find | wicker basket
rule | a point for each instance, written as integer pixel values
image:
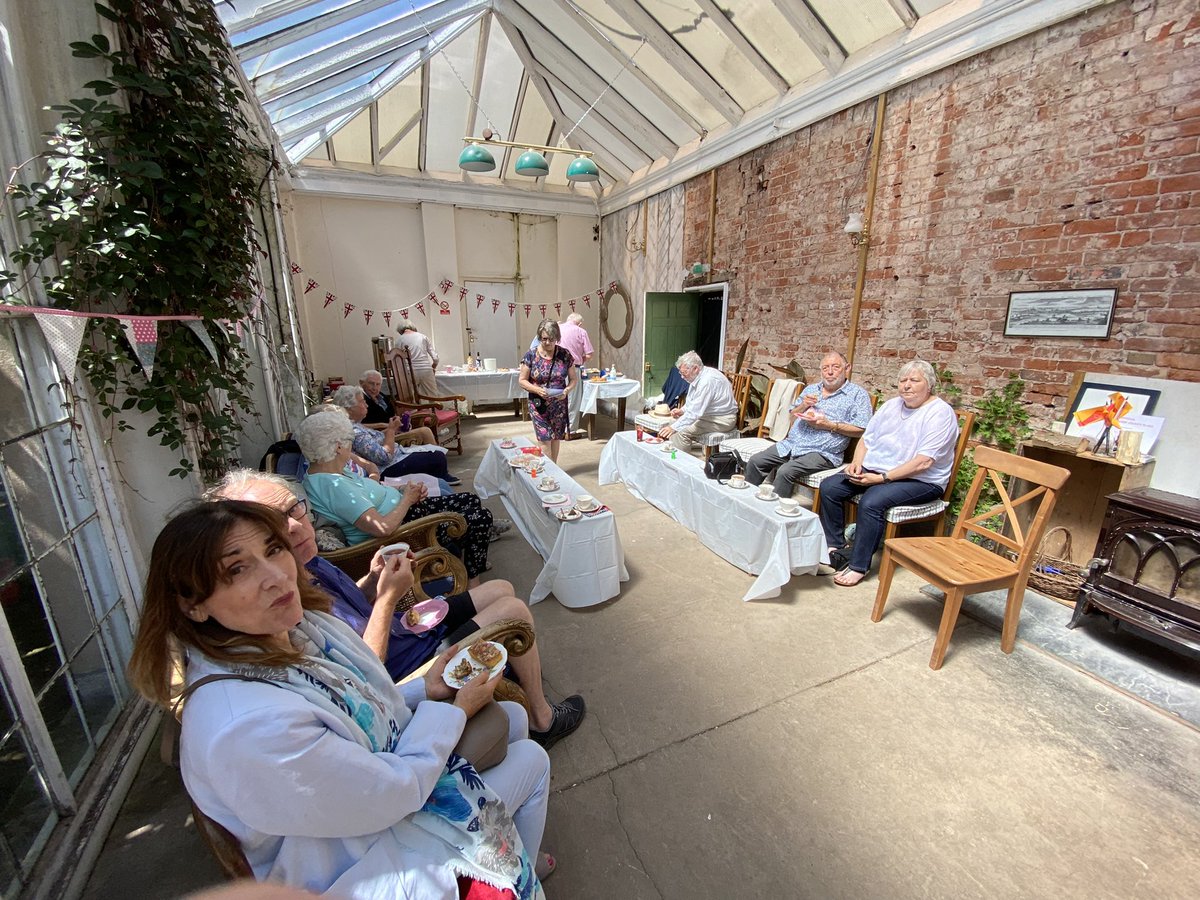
(1056, 575)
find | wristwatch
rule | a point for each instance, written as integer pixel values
(885, 478)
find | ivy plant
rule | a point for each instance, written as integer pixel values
(143, 205)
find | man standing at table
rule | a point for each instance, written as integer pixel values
(827, 415)
(709, 406)
(574, 338)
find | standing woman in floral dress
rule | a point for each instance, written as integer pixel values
(548, 373)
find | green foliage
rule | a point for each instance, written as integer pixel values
(145, 207)
(947, 389)
(1001, 418)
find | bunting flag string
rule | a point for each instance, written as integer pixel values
(445, 285)
(64, 334)
(205, 338)
(349, 307)
(142, 334)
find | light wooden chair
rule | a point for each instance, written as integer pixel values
(958, 566)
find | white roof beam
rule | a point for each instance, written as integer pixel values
(424, 136)
(569, 67)
(904, 11)
(815, 35)
(635, 149)
(661, 40)
(268, 12)
(485, 30)
(635, 71)
(743, 46)
(400, 135)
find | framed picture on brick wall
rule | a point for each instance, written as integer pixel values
(1071, 314)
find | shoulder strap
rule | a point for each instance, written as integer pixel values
(168, 743)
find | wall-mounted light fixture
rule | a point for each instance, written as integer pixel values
(476, 157)
(856, 229)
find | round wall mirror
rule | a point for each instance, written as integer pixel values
(616, 316)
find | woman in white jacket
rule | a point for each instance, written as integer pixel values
(331, 777)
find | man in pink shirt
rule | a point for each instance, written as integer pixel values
(575, 340)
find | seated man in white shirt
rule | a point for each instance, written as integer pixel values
(710, 405)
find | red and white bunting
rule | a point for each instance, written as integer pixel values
(557, 310)
(542, 309)
(367, 313)
(571, 303)
(387, 318)
(445, 284)
(350, 307)
(612, 285)
(528, 309)
(296, 270)
(495, 305)
(587, 300)
(462, 294)
(420, 309)
(311, 286)
(479, 298)
(329, 298)
(512, 307)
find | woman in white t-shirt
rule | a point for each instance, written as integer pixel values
(905, 458)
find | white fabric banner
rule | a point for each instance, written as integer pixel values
(203, 336)
(64, 334)
(142, 334)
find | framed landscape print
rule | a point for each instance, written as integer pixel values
(1078, 314)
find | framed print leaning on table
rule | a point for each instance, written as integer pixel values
(1080, 314)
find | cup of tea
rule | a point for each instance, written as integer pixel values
(765, 490)
(394, 550)
(788, 505)
(585, 501)
(737, 481)
(547, 481)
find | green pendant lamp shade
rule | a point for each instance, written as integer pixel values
(582, 169)
(532, 164)
(475, 158)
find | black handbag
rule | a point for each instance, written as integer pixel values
(723, 464)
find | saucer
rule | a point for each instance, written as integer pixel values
(586, 509)
(770, 496)
(507, 445)
(738, 487)
(567, 515)
(553, 486)
(666, 447)
(652, 440)
(555, 499)
(789, 515)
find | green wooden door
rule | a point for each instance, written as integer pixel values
(672, 326)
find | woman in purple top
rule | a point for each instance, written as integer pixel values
(548, 372)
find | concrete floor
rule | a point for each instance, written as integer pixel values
(793, 748)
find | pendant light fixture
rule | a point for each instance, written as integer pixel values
(476, 157)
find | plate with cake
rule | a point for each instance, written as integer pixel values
(425, 615)
(481, 656)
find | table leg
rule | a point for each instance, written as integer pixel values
(621, 414)
(516, 408)
(591, 420)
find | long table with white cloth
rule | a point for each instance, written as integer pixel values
(734, 524)
(481, 386)
(585, 563)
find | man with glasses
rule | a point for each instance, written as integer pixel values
(709, 407)
(374, 615)
(827, 414)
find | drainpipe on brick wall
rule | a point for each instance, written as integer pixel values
(865, 243)
(712, 214)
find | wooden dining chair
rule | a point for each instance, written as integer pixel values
(960, 566)
(407, 398)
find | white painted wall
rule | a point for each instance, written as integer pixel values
(383, 254)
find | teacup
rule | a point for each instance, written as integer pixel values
(765, 490)
(585, 501)
(548, 482)
(788, 505)
(398, 549)
(737, 481)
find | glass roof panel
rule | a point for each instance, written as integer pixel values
(925, 7)
(534, 126)
(766, 28)
(306, 13)
(623, 36)
(448, 101)
(404, 156)
(707, 44)
(298, 101)
(397, 106)
(857, 24)
(321, 154)
(594, 134)
(502, 71)
(353, 142)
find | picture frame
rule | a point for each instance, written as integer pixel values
(1069, 314)
(1094, 393)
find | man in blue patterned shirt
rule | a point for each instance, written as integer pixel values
(827, 415)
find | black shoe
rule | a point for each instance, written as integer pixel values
(568, 716)
(838, 559)
(452, 480)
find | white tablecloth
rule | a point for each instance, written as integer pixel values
(585, 563)
(734, 524)
(480, 386)
(609, 390)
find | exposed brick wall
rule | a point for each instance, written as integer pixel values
(1066, 159)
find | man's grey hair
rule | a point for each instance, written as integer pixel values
(404, 326)
(838, 353)
(924, 368)
(320, 435)
(575, 319)
(237, 481)
(347, 396)
(370, 373)
(691, 359)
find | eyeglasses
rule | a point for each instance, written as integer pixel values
(297, 511)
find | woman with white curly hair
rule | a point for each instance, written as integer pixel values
(380, 447)
(365, 509)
